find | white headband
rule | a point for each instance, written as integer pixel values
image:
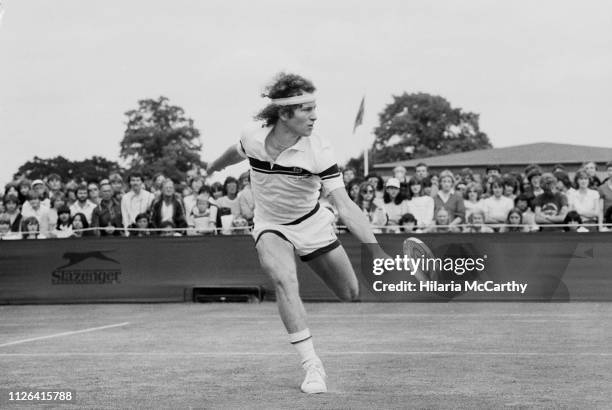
(298, 99)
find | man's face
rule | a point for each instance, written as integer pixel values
(492, 172)
(168, 189)
(55, 184)
(302, 122)
(590, 169)
(106, 192)
(421, 172)
(81, 195)
(446, 184)
(135, 183)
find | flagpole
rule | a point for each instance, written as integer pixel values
(365, 155)
(358, 122)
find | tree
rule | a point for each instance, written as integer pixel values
(422, 125)
(160, 138)
(89, 170)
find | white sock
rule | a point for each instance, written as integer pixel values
(302, 341)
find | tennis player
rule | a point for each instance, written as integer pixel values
(289, 165)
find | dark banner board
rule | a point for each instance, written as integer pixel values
(545, 266)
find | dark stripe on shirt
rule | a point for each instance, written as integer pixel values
(303, 218)
(329, 171)
(269, 168)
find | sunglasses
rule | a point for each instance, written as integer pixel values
(367, 191)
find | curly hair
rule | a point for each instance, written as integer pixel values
(282, 86)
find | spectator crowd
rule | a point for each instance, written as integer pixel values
(420, 201)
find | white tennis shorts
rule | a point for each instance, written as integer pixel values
(311, 235)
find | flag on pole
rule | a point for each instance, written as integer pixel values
(359, 118)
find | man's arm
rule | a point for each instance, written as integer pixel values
(230, 157)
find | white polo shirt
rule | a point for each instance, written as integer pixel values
(287, 189)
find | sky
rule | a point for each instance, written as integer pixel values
(535, 71)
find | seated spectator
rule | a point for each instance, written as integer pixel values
(56, 201)
(12, 188)
(492, 171)
(33, 207)
(83, 205)
(107, 215)
(434, 180)
(394, 203)
(203, 217)
(442, 223)
(535, 177)
(348, 174)
(156, 185)
(11, 209)
(189, 201)
(497, 206)
(379, 185)
(366, 202)
(80, 226)
(564, 185)
(39, 186)
(230, 199)
(167, 228)
(511, 186)
(573, 222)
(591, 170)
(472, 199)
(514, 222)
(70, 195)
(24, 186)
(54, 185)
(522, 203)
(141, 226)
(30, 228)
(135, 202)
(605, 194)
(5, 228)
(400, 173)
(63, 226)
(467, 176)
(550, 207)
(352, 188)
(245, 198)
(476, 223)
(217, 191)
(116, 182)
(409, 224)
(94, 193)
(449, 200)
(585, 201)
(419, 204)
(168, 208)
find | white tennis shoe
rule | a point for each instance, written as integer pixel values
(315, 377)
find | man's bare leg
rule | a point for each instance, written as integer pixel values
(278, 261)
(335, 268)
